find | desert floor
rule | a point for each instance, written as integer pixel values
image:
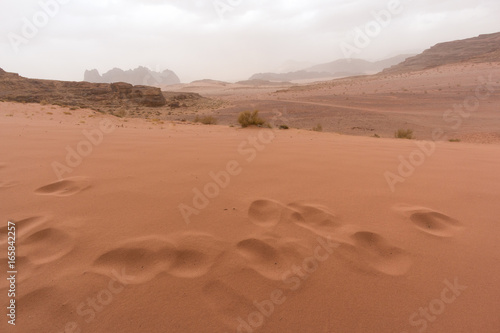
(461, 100)
(170, 227)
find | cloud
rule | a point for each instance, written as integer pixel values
(198, 40)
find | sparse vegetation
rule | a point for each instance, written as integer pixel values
(44, 102)
(67, 113)
(318, 128)
(206, 120)
(73, 108)
(283, 127)
(454, 140)
(120, 113)
(376, 136)
(249, 118)
(404, 134)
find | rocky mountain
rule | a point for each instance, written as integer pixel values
(484, 48)
(79, 94)
(337, 68)
(138, 76)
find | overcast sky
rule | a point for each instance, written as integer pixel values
(222, 39)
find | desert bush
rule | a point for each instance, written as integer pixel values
(206, 120)
(376, 136)
(318, 128)
(284, 127)
(249, 118)
(455, 140)
(120, 113)
(44, 102)
(404, 134)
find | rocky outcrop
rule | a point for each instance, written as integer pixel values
(485, 48)
(17, 88)
(142, 95)
(138, 76)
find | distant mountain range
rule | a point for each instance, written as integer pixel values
(484, 48)
(337, 68)
(139, 76)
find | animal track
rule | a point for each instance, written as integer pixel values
(23, 227)
(314, 217)
(270, 255)
(47, 245)
(271, 258)
(65, 187)
(370, 251)
(435, 223)
(265, 213)
(431, 222)
(185, 256)
(40, 243)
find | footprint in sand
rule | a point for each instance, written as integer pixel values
(271, 257)
(47, 245)
(315, 218)
(271, 254)
(23, 227)
(186, 256)
(65, 187)
(143, 258)
(40, 244)
(369, 251)
(265, 213)
(431, 222)
(435, 223)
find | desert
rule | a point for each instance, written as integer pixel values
(356, 202)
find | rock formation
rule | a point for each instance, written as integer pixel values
(138, 76)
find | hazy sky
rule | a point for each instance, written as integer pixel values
(222, 39)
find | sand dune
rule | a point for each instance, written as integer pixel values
(190, 228)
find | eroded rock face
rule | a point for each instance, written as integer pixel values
(138, 76)
(121, 88)
(141, 95)
(484, 48)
